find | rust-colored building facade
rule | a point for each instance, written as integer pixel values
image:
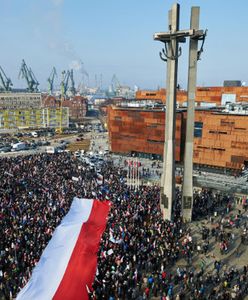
(212, 95)
(77, 106)
(140, 130)
(158, 95)
(221, 139)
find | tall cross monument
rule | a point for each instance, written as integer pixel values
(194, 56)
(170, 54)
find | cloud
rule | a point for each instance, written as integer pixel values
(63, 47)
(57, 2)
(78, 65)
(75, 65)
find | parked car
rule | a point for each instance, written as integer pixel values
(32, 146)
(19, 134)
(79, 139)
(46, 143)
(5, 149)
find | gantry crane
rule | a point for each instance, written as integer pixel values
(51, 80)
(29, 76)
(6, 82)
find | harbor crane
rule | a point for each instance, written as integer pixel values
(51, 80)
(36, 83)
(6, 82)
(72, 88)
(29, 77)
(64, 83)
(67, 77)
(64, 88)
(115, 84)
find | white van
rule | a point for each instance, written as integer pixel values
(50, 150)
(34, 134)
(19, 146)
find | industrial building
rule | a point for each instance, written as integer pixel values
(220, 134)
(34, 118)
(20, 100)
(34, 110)
(77, 106)
(25, 110)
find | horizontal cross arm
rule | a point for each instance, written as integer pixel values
(180, 35)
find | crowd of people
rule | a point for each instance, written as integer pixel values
(138, 251)
(35, 192)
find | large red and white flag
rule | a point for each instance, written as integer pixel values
(68, 264)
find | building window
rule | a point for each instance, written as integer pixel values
(219, 149)
(227, 123)
(198, 129)
(217, 132)
(154, 141)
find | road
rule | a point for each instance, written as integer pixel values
(222, 182)
(151, 169)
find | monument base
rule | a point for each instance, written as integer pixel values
(187, 208)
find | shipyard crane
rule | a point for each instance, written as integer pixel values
(6, 82)
(72, 88)
(64, 88)
(36, 83)
(84, 74)
(115, 84)
(64, 83)
(51, 80)
(29, 77)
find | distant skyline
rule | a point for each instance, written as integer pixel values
(116, 37)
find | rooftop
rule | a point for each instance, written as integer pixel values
(229, 108)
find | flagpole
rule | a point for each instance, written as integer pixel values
(128, 173)
(138, 173)
(131, 175)
(134, 181)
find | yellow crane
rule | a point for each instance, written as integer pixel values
(59, 115)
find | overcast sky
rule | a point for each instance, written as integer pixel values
(116, 37)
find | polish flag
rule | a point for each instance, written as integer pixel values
(68, 264)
